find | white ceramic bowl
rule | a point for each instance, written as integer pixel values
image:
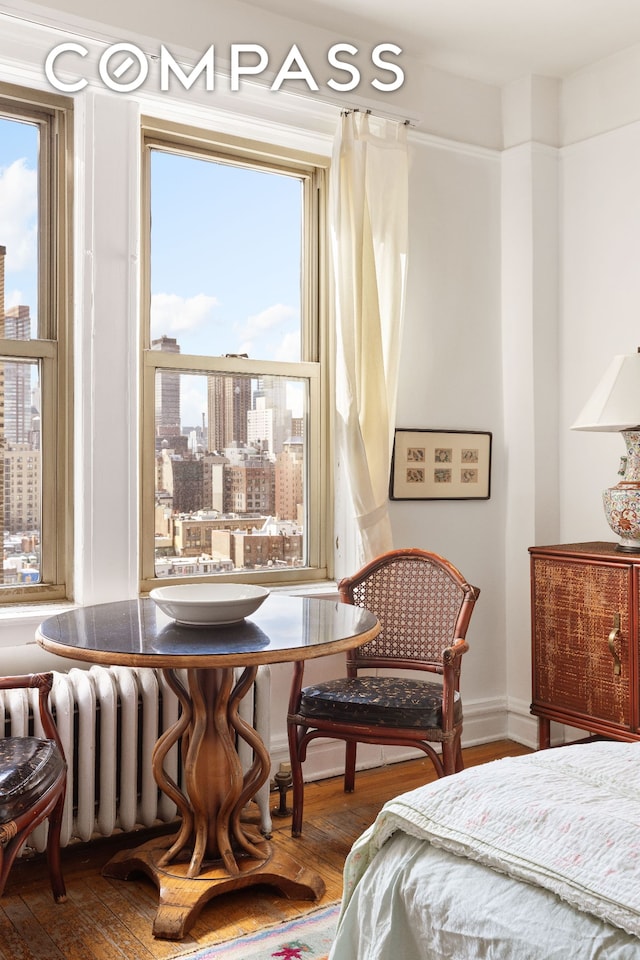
(209, 604)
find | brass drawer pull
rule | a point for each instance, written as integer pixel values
(613, 636)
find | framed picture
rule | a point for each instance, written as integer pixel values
(441, 465)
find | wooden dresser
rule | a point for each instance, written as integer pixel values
(585, 612)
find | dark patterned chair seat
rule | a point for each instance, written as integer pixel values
(29, 766)
(33, 781)
(380, 701)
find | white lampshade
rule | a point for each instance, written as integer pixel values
(615, 403)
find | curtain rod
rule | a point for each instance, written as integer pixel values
(382, 116)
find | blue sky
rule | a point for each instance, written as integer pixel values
(225, 258)
(226, 249)
(18, 211)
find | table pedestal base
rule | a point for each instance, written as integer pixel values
(182, 898)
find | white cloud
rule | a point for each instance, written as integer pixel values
(289, 349)
(18, 215)
(279, 320)
(278, 315)
(14, 298)
(173, 314)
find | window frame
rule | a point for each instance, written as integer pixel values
(52, 348)
(312, 169)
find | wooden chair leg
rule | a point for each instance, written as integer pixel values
(449, 757)
(5, 866)
(297, 782)
(53, 852)
(8, 854)
(350, 766)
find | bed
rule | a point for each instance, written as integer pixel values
(526, 858)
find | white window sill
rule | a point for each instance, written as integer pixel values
(24, 612)
(323, 588)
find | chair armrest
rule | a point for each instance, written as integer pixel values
(43, 682)
(455, 651)
(30, 680)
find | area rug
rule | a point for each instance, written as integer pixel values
(306, 938)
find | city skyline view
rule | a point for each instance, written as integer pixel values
(229, 284)
(19, 213)
(225, 264)
(226, 241)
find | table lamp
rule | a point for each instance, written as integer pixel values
(615, 406)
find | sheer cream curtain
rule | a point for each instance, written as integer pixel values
(369, 233)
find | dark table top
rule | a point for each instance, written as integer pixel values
(137, 633)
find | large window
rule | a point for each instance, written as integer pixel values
(35, 198)
(234, 439)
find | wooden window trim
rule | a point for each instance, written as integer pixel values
(182, 139)
(53, 348)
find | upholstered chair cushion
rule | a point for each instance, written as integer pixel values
(28, 767)
(382, 701)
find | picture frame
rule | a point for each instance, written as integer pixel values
(441, 465)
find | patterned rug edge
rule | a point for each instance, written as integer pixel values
(317, 921)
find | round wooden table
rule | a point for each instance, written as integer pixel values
(215, 850)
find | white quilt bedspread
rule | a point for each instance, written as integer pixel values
(566, 820)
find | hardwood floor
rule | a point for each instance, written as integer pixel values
(105, 919)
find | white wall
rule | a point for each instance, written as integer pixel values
(452, 379)
(600, 297)
(601, 310)
(523, 282)
(530, 323)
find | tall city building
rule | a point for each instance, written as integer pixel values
(270, 422)
(20, 465)
(3, 253)
(249, 486)
(188, 485)
(274, 391)
(289, 488)
(228, 403)
(168, 422)
(17, 380)
(268, 427)
(192, 484)
(21, 478)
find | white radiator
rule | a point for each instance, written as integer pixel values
(109, 719)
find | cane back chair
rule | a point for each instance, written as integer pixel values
(424, 605)
(33, 779)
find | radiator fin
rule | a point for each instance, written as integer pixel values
(109, 719)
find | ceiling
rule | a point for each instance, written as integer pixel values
(495, 41)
